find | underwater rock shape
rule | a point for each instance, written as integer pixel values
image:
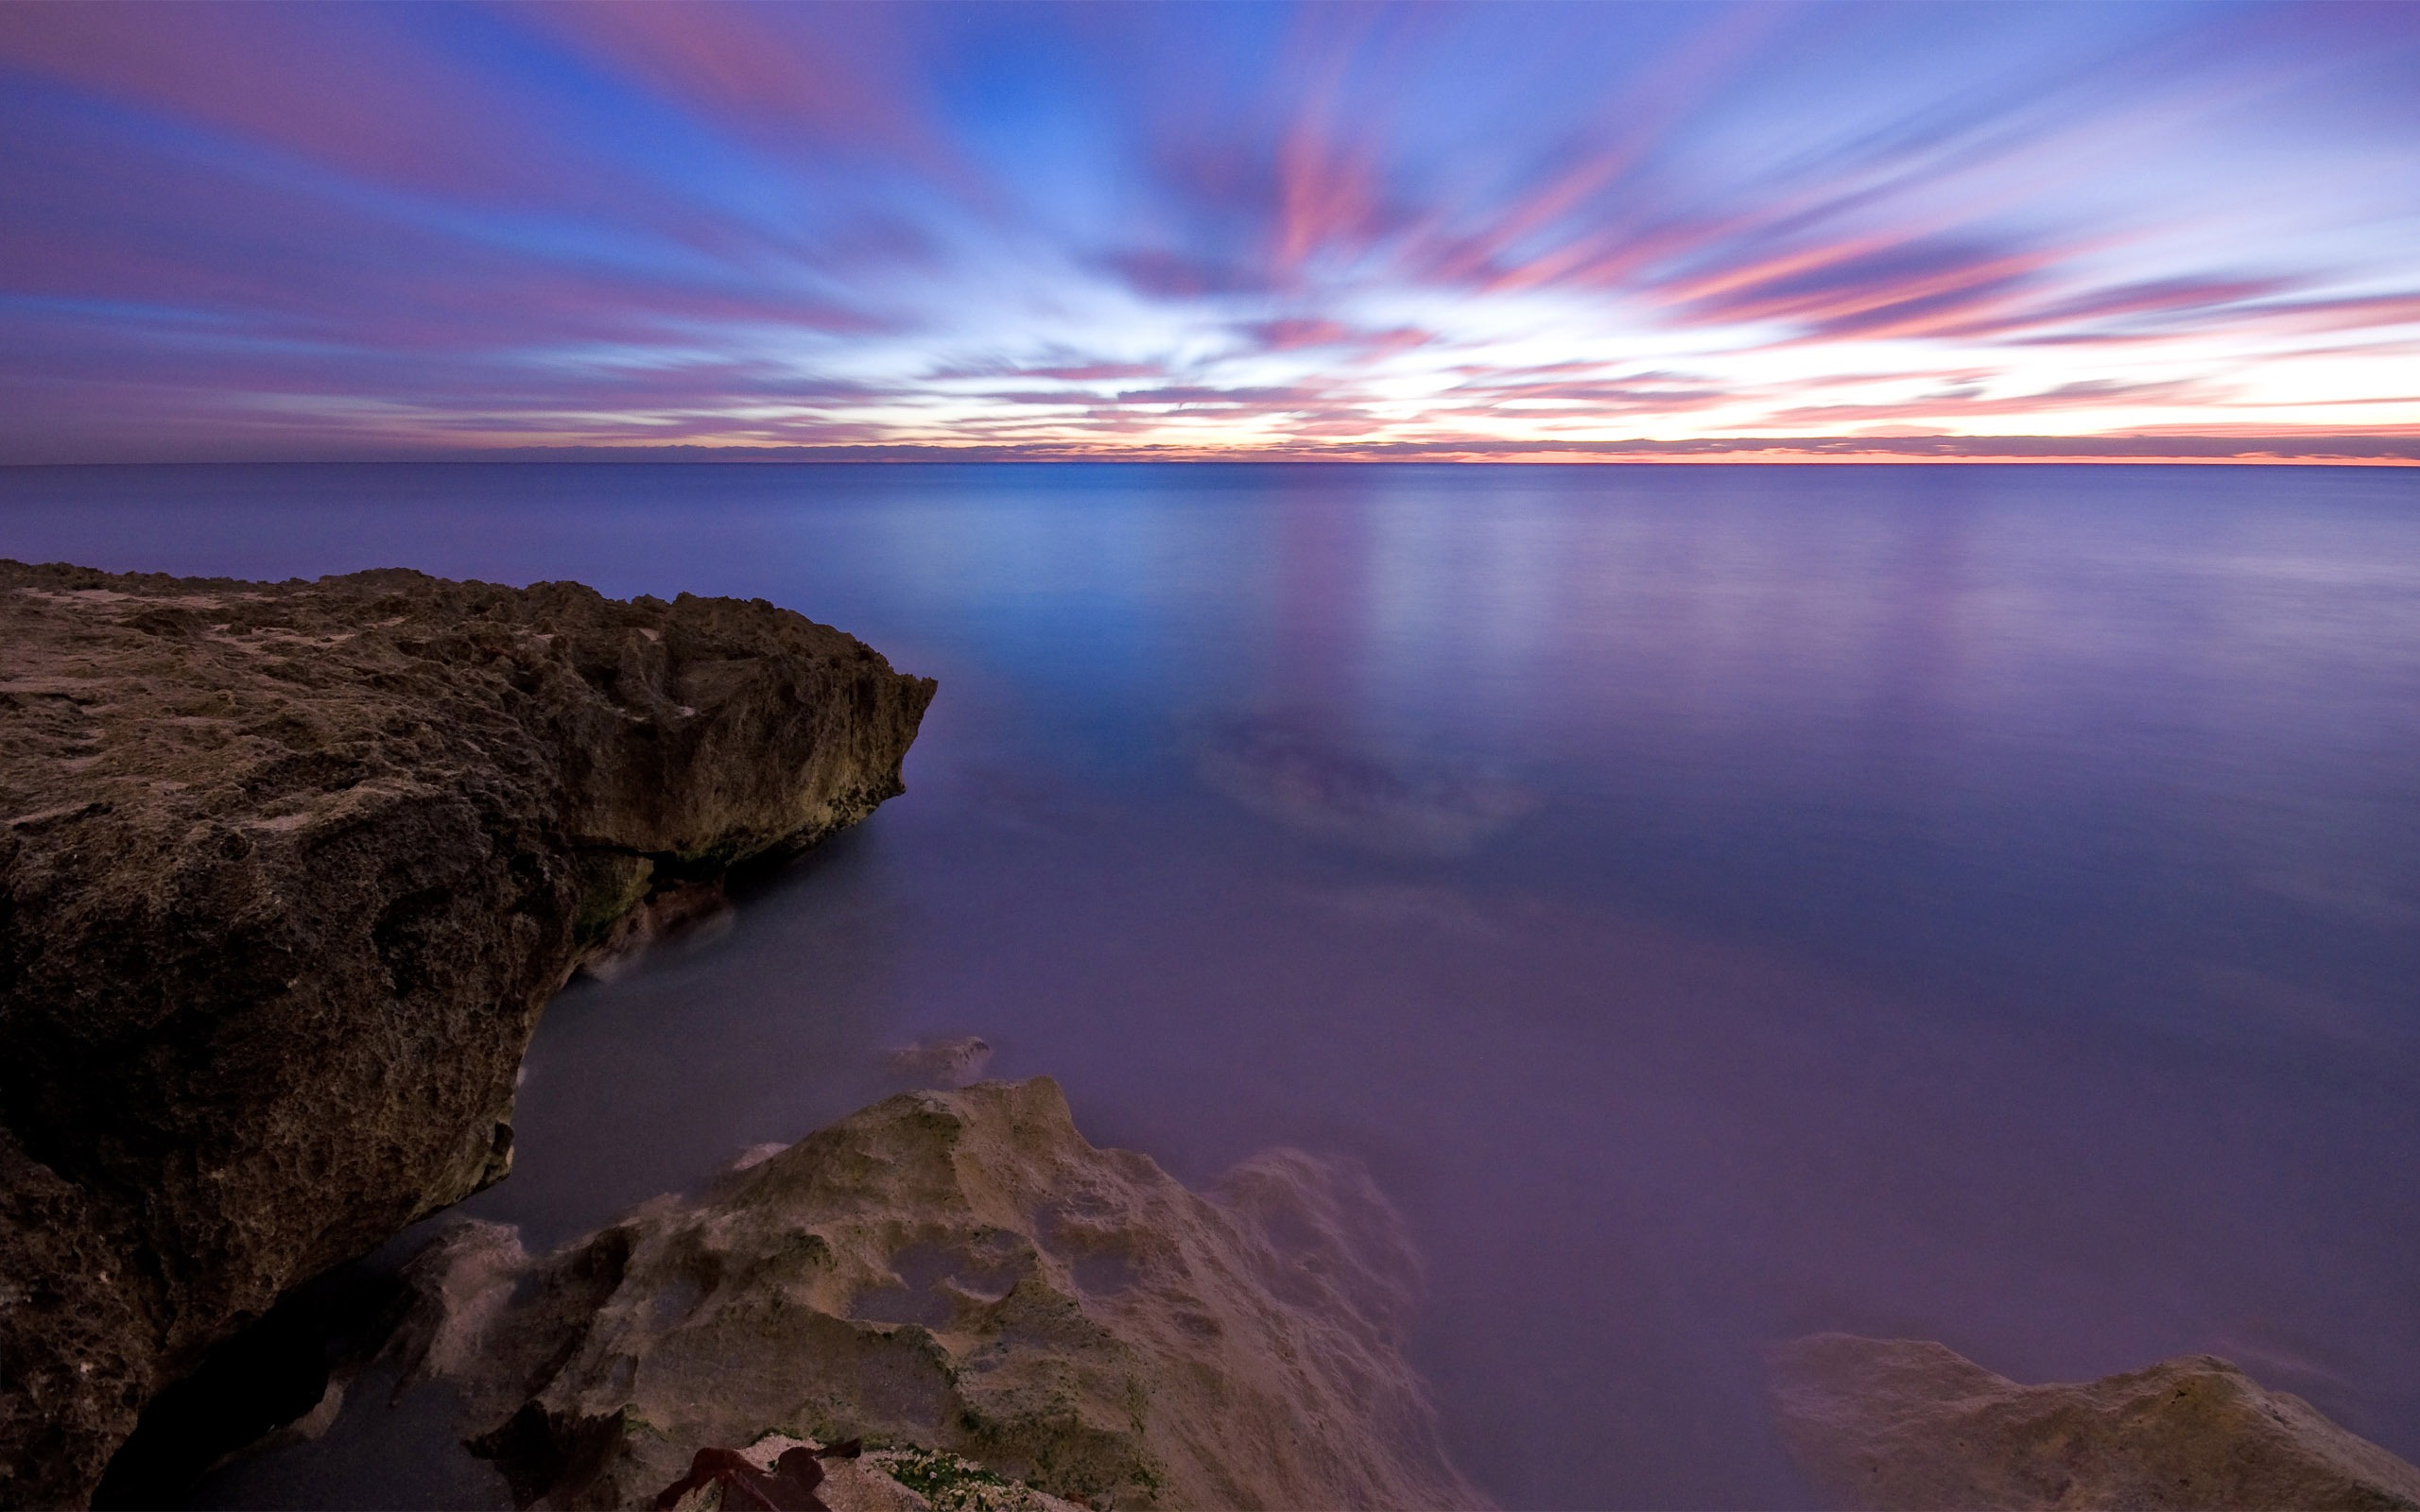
(943, 1062)
(1907, 1423)
(288, 871)
(959, 1273)
(1288, 771)
(787, 1485)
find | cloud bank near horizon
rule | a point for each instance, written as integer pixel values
(1499, 231)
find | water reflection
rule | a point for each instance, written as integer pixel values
(1718, 905)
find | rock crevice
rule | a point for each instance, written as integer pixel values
(286, 873)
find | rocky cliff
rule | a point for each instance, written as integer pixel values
(1892, 1423)
(959, 1278)
(286, 873)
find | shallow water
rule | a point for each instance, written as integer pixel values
(1978, 903)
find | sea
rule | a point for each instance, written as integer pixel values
(1717, 902)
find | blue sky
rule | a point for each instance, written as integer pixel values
(1252, 230)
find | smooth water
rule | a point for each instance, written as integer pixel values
(1969, 902)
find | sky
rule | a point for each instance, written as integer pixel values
(1496, 232)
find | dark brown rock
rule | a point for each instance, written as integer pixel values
(1892, 1423)
(286, 873)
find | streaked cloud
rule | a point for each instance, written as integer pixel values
(1499, 230)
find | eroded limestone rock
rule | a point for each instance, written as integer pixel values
(960, 1272)
(1894, 1423)
(286, 871)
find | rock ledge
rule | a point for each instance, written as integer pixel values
(286, 873)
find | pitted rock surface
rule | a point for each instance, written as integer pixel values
(959, 1273)
(286, 873)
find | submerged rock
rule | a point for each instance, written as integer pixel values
(1286, 770)
(959, 1274)
(286, 872)
(943, 1062)
(1892, 1423)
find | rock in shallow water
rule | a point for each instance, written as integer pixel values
(1893, 1423)
(943, 1062)
(963, 1272)
(286, 872)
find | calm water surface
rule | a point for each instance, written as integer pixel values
(1978, 903)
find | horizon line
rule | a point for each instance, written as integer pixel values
(2374, 449)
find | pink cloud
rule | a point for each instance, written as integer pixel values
(346, 85)
(2089, 394)
(1305, 333)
